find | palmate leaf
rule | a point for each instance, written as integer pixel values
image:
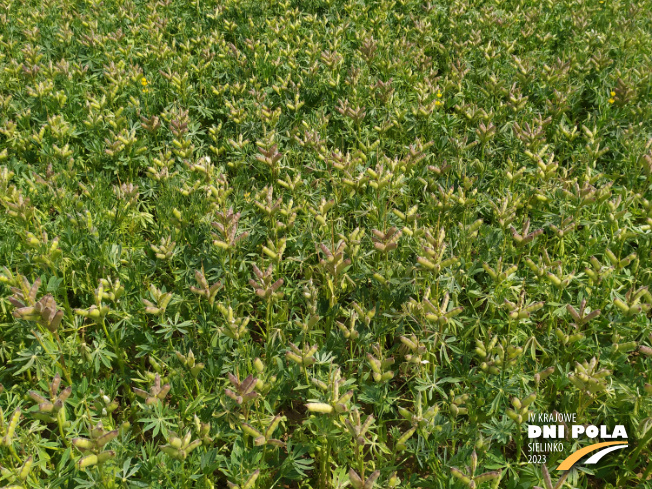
(31, 358)
(101, 355)
(158, 421)
(500, 430)
(298, 465)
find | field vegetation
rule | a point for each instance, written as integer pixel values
(322, 244)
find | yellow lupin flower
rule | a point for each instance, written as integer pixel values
(612, 93)
(439, 95)
(611, 101)
(143, 81)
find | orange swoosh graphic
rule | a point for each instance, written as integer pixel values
(574, 457)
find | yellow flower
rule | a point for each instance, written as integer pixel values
(439, 95)
(611, 101)
(437, 103)
(613, 94)
(143, 81)
(145, 90)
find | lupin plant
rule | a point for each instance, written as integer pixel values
(44, 311)
(18, 476)
(380, 366)
(51, 409)
(227, 226)
(8, 428)
(250, 483)
(521, 310)
(189, 362)
(157, 392)
(547, 480)
(520, 412)
(179, 448)
(335, 403)
(93, 448)
(165, 250)
(434, 250)
(244, 391)
(204, 289)
(360, 482)
(469, 477)
(98, 311)
(161, 298)
(471, 203)
(264, 437)
(588, 379)
(235, 327)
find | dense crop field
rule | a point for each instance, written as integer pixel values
(321, 244)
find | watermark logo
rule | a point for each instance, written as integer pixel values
(555, 431)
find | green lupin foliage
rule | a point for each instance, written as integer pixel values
(322, 244)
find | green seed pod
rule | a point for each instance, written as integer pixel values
(251, 480)
(191, 446)
(11, 428)
(487, 476)
(544, 374)
(621, 305)
(387, 376)
(625, 347)
(247, 428)
(554, 279)
(461, 476)
(400, 444)
(87, 461)
(46, 407)
(272, 427)
(511, 414)
(393, 481)
(645, 350)
(319, 407)
(194, 371)
(380, 278)
(529, 399)
(24, 470)
(575, 337)
(346, 397)
(106, 438)
(340, 408)
(405, 413)
(322, 385)
(104, 456)
(474, 462)
(175, 442)
(36, 397)
(171, 451)
(295, 358)
(83, 444)
(516, 403)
